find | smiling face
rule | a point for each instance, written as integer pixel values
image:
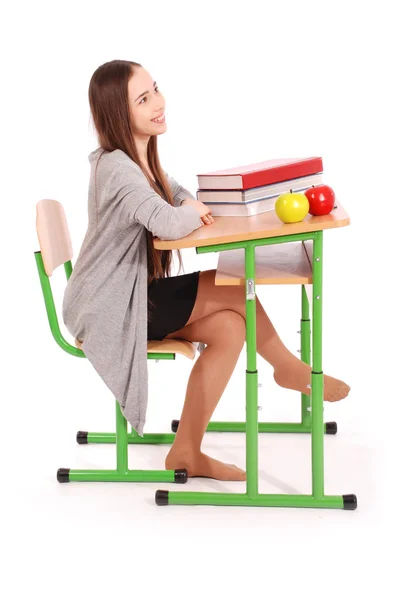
(146, 103)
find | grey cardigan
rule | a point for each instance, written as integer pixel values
(105, 300)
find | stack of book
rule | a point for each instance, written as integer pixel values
(253, 189)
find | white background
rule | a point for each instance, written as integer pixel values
(243, 82)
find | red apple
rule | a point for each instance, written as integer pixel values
(321, 199)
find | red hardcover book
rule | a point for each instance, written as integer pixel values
(262, 173)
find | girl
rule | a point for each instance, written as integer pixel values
(131, 199)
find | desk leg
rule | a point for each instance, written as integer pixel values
(252, 497)
(251, 429)
(305, 355)
(317, 372)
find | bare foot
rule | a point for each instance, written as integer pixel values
(201, 465)
(296, 375)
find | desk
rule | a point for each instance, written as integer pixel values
(248, 233)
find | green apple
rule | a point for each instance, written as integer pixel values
(292, 208)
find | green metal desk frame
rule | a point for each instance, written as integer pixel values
(312, 406)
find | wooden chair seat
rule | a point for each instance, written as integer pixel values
(175, 346)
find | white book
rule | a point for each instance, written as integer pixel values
(240, 197)
(246, 209)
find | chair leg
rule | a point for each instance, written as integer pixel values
(122, 472)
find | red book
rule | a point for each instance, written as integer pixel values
(262, 173)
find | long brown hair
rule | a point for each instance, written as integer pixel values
(109, 105)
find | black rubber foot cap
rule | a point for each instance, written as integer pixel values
(161, 497)
(63, 475)
(350, 502)
(82, 437)
(174, 426)
(180, 476)
(331, 427)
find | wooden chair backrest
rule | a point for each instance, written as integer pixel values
(53, 234)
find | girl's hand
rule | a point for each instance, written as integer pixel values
(204, 211)
(207, 219)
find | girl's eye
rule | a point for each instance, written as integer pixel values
(144, 98)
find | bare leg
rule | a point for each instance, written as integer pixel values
(207, 382)
(289, 371)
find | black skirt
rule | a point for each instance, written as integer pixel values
(174, 299)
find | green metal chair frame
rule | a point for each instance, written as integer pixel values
(52, 237)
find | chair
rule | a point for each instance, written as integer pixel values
(56, 249)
